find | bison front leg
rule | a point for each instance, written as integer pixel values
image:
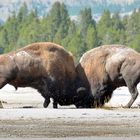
(43, 89)
(46, 102)
(47, 99)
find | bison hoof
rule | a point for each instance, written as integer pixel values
(46, 104)
(126, 106)
(55, 106)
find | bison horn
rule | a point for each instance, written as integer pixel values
(81, 89)
(81, 93)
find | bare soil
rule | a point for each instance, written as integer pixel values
(68, 127)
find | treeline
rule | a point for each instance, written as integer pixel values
(78, 36)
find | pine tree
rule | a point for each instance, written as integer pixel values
(116, 22)
(91, 38)
(11, 27)
(88, 33)
(53, 20)
(63, 28)
(4, 42)
(71, 32)
(76, 46)
(30, 31)
(65, 21)
(133, 30)
(86, 20)
(22, 14)
(102, 27)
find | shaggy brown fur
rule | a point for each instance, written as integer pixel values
(44, 66)
(105, 68)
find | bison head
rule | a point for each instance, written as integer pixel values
(83, 97)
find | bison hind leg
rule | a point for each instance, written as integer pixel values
(55, 104)
(134, 94)
(131, 83)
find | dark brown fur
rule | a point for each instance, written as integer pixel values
(105, 68)
(44, 66)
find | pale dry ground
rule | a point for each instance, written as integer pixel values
(24, 117)
(41, 123)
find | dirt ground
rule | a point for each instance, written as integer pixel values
(115, 123)
(23, 116)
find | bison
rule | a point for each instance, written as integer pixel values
(103, 69)
(44, 66)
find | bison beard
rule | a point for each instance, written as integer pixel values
(44, 66)
(105, 68)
